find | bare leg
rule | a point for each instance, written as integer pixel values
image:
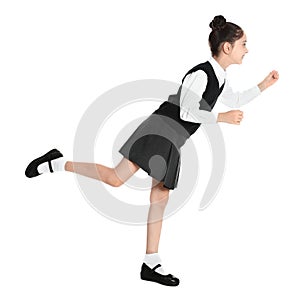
(159, 197)
(112, 176)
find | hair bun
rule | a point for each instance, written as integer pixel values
(217, 23)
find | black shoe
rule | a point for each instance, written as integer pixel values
(31, 170)
(149, 274)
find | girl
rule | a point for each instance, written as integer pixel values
(180, 117)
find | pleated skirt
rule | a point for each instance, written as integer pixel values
(155, 147)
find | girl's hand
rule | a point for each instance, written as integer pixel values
(231, 117)
(271, 78)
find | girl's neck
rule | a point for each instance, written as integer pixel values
(223, 61)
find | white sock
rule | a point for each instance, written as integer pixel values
(153, 259)
(57, 165)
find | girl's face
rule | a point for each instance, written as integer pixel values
(239, 50)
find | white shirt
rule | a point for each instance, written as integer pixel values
(193, 88)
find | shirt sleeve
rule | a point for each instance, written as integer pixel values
(192, 90)
(237, 99)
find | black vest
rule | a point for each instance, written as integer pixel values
(171, 108)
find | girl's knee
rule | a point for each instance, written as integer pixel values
(115, 180)
(117, 183)
(159, 195)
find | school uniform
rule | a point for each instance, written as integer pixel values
(155, 145)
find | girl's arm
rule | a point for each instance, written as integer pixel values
(192, 90)
(238, 99)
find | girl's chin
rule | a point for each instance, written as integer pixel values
(239, 62)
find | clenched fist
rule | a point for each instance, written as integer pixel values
(269, 80)
(231, 117)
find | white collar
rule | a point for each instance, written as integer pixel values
(219, 71)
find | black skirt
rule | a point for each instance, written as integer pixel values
(155, 147)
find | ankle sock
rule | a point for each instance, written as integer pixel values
(57, 165)
(152, 260)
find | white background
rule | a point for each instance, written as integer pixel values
(57, 57)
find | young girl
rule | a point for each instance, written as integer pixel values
(181, 115)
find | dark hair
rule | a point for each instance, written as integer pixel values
(222, 31)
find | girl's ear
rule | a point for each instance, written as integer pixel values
(227, 48)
